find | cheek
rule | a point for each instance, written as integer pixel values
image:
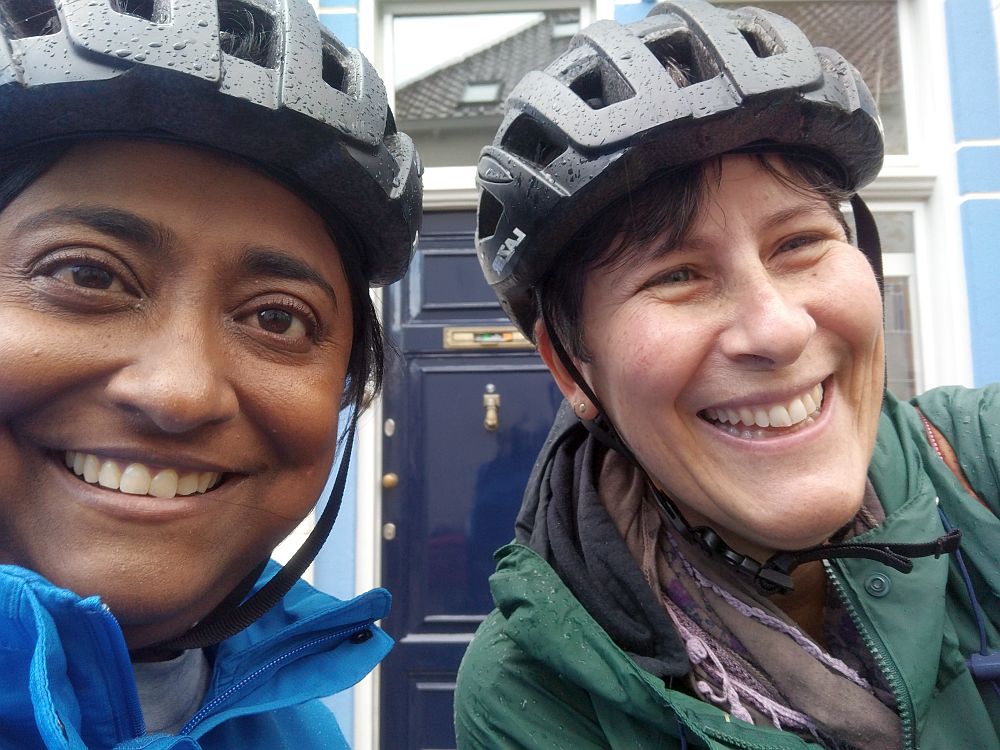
(299, 408)
(42, 356)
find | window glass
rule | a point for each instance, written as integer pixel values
(866, 32)
(453, 71)
(901, 377)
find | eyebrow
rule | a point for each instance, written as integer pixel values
(817, 208)
(113, 222)
(268, 261)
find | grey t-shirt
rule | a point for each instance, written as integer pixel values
(171, 692)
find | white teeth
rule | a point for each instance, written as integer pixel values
(164, 484)
(137, 478)
(91, 468)
(797, 411)
(110, 476)
(779, 417)
(187, 484)
(787, 414)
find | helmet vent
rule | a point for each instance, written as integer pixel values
(141, 9)
(602, 86)
(247, 32)
(28, 18)
(757, 44)
(526, 138)
(333, 69)
(678, 59)
(488, 218)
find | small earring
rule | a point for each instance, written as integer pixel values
(582, 407)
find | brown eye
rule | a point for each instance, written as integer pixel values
(280, 322)
(88, 277)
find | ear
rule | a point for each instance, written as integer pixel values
(582, 406)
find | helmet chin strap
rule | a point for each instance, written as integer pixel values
(773, 576)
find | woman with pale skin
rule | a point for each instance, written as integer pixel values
(734, 536)
(187, 338)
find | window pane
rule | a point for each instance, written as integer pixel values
(866, 32)
(453, 71)
(899, 337)
(895, 229)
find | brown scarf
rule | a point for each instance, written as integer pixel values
(747, 656)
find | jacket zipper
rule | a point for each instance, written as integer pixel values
(137, 724)
(877, 649)
(209, 707)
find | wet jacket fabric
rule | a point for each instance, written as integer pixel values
(542, 673)
(67, 681)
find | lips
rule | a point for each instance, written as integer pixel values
(134, 478)
(762, 420)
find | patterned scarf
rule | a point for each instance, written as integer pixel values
(746, 655)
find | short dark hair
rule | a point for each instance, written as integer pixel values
(365, 369)
(661, 209)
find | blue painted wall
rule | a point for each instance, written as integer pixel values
(975, 94)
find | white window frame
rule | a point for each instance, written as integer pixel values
(451, 187)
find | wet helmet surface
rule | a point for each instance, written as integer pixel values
(262, 80)
(609, 114)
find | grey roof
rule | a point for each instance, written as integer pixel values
(864, 32)
(439, 93)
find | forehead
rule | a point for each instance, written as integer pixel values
(184, 191)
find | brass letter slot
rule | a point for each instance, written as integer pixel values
(485, 337)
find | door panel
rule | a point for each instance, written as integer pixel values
(460, 480)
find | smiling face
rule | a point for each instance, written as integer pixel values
(744, 367)
(175, 331)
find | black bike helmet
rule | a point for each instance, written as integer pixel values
(607, 115)
(260, 79)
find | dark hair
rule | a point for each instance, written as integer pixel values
(365, 369)
(662, 209)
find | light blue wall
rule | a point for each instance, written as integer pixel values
(343, 25)
(975, 95)
(632, 11)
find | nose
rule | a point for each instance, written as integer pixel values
(769, 327)
(176, 380)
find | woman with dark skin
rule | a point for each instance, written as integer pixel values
(734, 536)
(184, 317)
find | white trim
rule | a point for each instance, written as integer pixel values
(898, 264)
(367, 552)
(991, 196)
(978, 143)
(940, 275)
(366, 29)
(604, 10)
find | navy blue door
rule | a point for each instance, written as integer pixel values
(467, 406)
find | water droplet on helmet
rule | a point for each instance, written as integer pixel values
(197, 66)
(202, 22)
(180, 45)
(139, 57)
(123, 52)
